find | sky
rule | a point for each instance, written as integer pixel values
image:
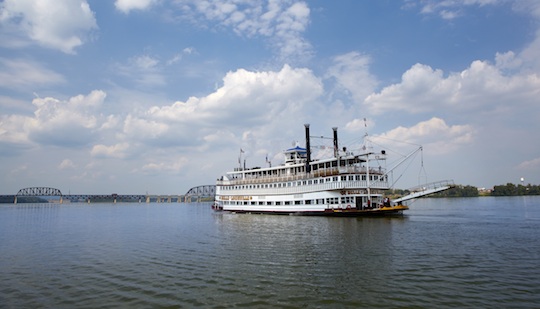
(156, 96)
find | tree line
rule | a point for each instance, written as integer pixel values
(509, 189)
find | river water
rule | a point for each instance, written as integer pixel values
(443, 253)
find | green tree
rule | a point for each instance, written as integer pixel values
(459, 191)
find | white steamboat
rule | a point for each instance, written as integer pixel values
(345, 184)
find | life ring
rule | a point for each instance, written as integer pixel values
(348, 206)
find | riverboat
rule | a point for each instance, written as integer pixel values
(344, 184)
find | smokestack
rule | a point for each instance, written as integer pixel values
(335, 142)
(308, 150)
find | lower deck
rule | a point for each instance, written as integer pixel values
(327, 203)
(332, 212)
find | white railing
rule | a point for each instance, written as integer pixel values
(432, 185)
(299, 189)
(262, 179)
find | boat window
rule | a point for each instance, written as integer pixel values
(297, 202)
(308, 202)
(343, 178)
(287, 202)
(278, 203)
(332, 200)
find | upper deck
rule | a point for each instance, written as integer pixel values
(294, 168)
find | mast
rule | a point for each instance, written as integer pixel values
(368, 184)
(367, 165)
(308, 150)
(335, 142)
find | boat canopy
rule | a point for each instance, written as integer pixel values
(296, 149)
(295, 155)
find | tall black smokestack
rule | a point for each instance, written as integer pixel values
(308, 150)
(335, 142)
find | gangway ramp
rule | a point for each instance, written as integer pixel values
(426, 189)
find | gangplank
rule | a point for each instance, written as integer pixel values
(426, 189)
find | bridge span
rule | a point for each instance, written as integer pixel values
(47, 194)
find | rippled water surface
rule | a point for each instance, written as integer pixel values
(454, 253)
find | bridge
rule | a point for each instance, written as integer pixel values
(42, 194)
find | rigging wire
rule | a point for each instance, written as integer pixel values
(422, 168)
(404, 170)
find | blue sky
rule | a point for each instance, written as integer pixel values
(135, 96)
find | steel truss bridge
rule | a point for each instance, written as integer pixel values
(33, 194)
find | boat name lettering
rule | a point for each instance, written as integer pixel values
(349, 192)
(241, 198)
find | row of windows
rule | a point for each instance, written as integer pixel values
(301, 169)
(307, 182)
(330, 201)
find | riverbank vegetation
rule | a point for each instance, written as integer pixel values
(508, 189)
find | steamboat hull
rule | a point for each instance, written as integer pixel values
(331, 212)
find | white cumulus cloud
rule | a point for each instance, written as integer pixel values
(118, 151)
(65, 123)
(57, 24)
(66, 164)
(482, 85)
(128, 5)
(434, 134)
